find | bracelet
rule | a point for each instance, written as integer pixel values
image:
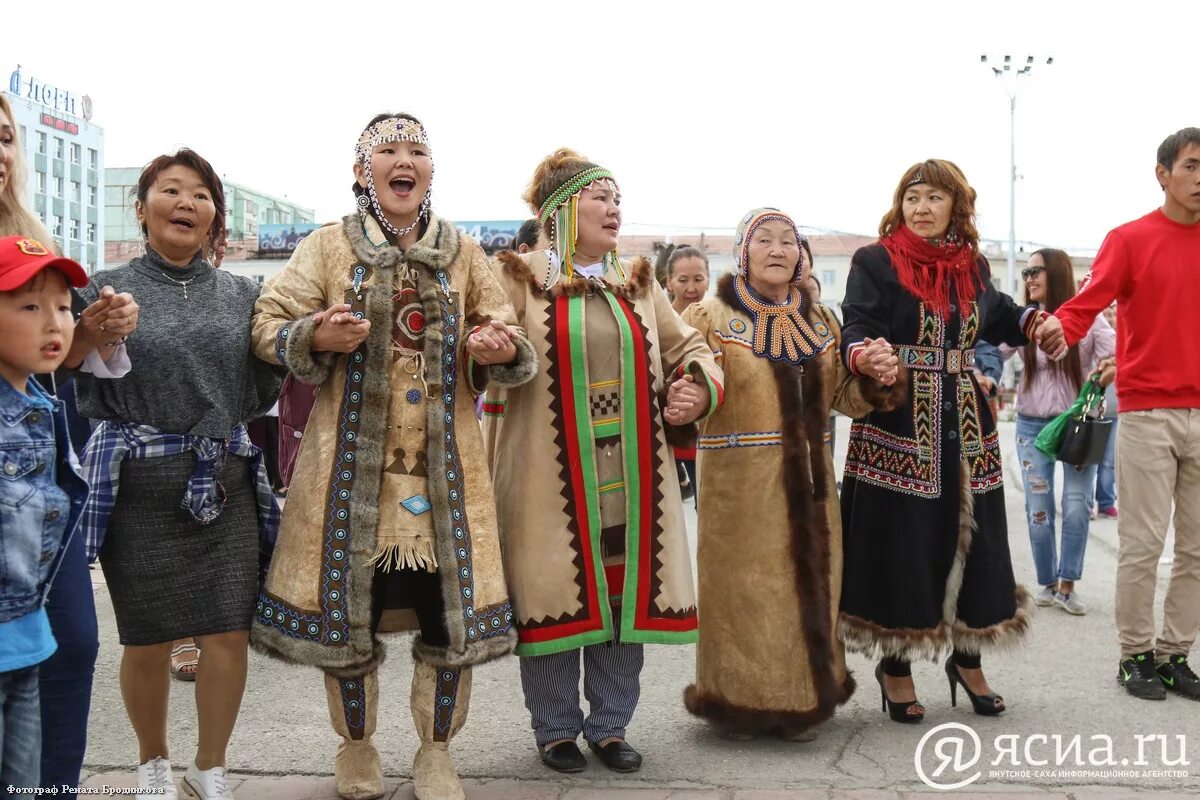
(115, 342)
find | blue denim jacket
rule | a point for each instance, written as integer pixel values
(41, 496)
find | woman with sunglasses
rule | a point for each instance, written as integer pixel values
(1047, 389)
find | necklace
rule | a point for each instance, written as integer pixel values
(184, 284)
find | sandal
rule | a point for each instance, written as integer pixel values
(185, 660)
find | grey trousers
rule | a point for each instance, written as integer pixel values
(611, 684)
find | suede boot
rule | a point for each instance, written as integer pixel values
(440, 697)
(352, 709)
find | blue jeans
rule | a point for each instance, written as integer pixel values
(1037, 472)
(66, 677)
(1106, 489)
(20, 731)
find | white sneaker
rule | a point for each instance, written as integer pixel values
(1045, 597)
(1070, 603)
(206, 784)
(155, 775)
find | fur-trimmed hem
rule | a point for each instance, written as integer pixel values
(886, 398)
(341, 662)
(1001, 636)
(520, 370)
(475, 653)
(637, 282)
(307, 366)
(715, 708)
(681, 436)
(909, 644)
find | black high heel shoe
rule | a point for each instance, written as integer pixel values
(984, 704)
(900, 712)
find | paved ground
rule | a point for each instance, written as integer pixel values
(1060, 684)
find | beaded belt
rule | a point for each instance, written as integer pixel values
(936, 359)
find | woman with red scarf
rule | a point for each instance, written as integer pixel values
(927, 566)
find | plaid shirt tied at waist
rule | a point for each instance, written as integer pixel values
(203, 497)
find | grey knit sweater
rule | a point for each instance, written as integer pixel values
(193, 369)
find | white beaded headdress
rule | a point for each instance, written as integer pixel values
(392, 129)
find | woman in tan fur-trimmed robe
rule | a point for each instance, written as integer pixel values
(399, 320)
(770, 555)
(590, 516)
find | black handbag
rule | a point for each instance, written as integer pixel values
(1086, 438)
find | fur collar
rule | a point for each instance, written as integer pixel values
(436, 250)
(636, 286)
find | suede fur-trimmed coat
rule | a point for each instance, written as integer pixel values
(927, 565)
(770, 538)
(586, 487)
(391, 468)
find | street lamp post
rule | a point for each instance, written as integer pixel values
(1010, 76)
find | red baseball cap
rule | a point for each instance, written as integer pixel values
(21, 258)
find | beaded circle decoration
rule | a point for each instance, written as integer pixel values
(392, 129)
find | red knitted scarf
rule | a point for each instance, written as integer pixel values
(931, 271)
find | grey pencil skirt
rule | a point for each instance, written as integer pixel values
(169, 576)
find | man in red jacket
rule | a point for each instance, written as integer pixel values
(1151, 266)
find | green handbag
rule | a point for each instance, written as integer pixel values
(1050, 440)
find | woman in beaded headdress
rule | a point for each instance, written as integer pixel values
(926, 544)
(592, 523)
(770, 560)
(400, 321)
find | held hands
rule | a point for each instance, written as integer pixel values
(1049, 336)
(492, 343)
(686, 401)
(106, 322)
(338, 331)
(878, 360)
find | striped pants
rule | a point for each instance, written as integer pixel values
(611, 684)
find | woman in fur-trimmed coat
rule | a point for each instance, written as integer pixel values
(770, 538)
(926, 542)
(390, 512)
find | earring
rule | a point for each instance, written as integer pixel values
(952, 234)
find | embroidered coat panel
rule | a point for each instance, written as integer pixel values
(390, 469)
(927, 564)
(544, 449)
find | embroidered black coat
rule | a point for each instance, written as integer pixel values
(927, 564)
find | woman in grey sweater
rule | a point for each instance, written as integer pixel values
(181, 510)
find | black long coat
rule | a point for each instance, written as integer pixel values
(927, 564)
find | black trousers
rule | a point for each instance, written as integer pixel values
(416, 589)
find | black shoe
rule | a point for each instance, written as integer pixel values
(987, 705)
(1138, 676)
(618, 756)
(1177, 676)
(899, 712)
(563, 757)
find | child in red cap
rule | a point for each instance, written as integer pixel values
(41, 492)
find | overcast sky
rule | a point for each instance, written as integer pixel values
(703, 110)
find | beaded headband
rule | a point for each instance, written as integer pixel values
(746, 229)
(392, 129)
(561, 209)
(915, 179)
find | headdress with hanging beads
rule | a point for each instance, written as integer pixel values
(392, 129)
(561, 209)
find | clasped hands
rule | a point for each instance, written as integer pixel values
(878, 360)
(1050, 338)
(686, 401)
(106, 322)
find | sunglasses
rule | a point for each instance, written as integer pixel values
(1031, 272)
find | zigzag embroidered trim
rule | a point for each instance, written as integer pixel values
(445, 698)
(354, 706)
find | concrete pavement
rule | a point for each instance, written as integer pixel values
(1059, 685)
